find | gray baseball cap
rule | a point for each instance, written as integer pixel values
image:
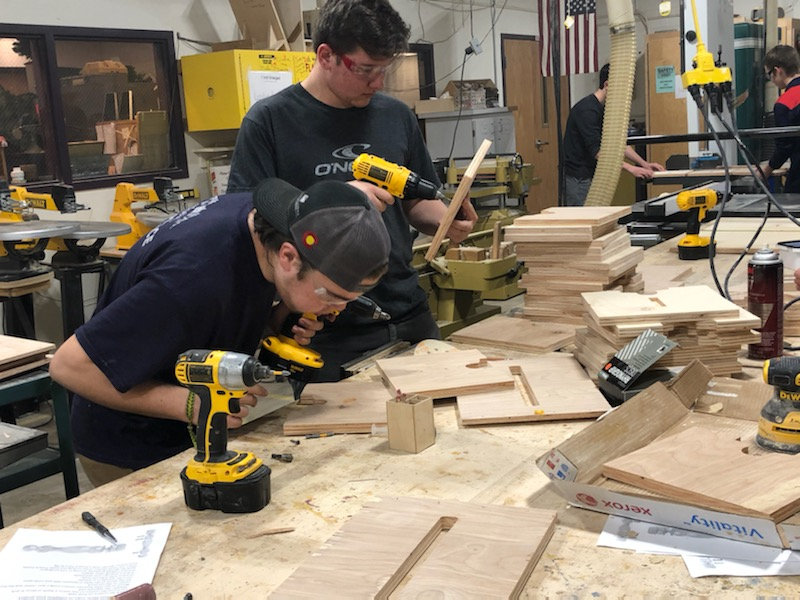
(333, 225)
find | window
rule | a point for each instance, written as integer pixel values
(89, 107)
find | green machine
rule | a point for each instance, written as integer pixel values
(748, 75)
(457, 288)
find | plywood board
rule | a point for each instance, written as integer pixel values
(443, 375)
(576, 215)
(423, 548)
(658, 277)
(18, 355)
(516, 334)
(715, 469)
(550, 387)
(342, 407)
(28, 285)
(668, 305)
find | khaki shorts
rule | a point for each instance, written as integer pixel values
(100, 473)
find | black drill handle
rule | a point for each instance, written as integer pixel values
(212, 430)
(693, 222)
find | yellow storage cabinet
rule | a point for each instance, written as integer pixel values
(219, 87)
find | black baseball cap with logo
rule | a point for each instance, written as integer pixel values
(333, 225)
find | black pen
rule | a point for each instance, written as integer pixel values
(90, 520)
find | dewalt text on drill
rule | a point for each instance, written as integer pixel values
(398, 180)
(779, 423)
(218, 478)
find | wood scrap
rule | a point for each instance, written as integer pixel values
(418, 548)
(274, 531)
(341, 407)
(713, 469)
(513, 333)
(443, 375)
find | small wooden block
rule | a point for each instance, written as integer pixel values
(506, 249)
(472, 253)
(453, 253)
(410, 423)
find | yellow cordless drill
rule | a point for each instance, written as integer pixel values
(779, 424)
(694, 246)
(218, 478)
(399, 181)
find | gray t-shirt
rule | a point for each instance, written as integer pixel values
(293, 136)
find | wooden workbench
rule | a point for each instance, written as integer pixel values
(216, 555)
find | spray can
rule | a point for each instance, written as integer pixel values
(765, 300)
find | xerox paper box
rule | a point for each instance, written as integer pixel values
(684, 423)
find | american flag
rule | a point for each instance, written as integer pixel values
(578, 43)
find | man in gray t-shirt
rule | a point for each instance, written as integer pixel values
(314, 129)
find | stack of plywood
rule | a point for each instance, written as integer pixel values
(569, 250)
(705, 325)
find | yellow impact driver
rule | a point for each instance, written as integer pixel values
(218, 478)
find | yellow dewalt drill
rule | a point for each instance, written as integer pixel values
(779, 424)
(398, 180)
(694, 246)
(218, 478)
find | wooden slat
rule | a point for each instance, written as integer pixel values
(420, 548)
(462, 193)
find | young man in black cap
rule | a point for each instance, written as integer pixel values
(207, 278)
(313, 130)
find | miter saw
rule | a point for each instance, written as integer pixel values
(25, 237)
(76, 245)
(152, 207)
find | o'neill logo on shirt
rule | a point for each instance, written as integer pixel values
(345, 154)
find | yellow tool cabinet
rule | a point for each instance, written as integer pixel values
(217, 85)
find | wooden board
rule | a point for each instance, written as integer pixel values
(422, 548)
(18, 355)
(671, 304)
(576, 215)
(443, 375)
(28, 285)
(698, 466)
(540, 394)
(516, 334)
(461, 194)
(658, 277)
(342, 407)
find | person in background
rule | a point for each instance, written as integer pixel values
(582, 145)
(207, 278)
(782, 67)
(313, 130)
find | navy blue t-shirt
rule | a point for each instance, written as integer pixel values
(192, 282)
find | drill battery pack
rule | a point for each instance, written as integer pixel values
(246, 495)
